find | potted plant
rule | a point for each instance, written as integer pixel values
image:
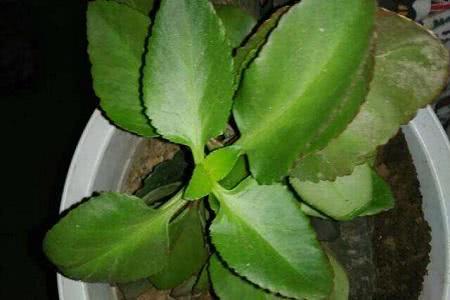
(313, 91)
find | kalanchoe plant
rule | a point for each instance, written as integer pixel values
(313, 91)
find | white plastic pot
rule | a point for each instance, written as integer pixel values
(104, 153)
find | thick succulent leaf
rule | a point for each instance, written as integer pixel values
(112, 238)
(237, 21)
(341, 199)
(187, 98)
(116, 35)
(305, 84)
(229, 286)
(278, 249)
(410, 70)
(187, 252)
(341, 289)
(382, 197)
(144, 6)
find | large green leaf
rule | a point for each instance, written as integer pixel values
(277, 247)
(341, 199)
(306, 84)
(188, 74)
(237, 21)
(112, 238)
(229, 286)
(116, 35)
(410, 70)
(187, 251)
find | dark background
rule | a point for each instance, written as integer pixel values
(46, 99)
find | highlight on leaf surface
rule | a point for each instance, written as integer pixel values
(116, 35)
(278, 247)
(112, 238)
(411, 68)
(187, 98)
(304, 82)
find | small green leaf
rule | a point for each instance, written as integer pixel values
(144, 6)
(237, 21)
(382, 197)
(229, 286)
(200, 184)
(305, 85)
(220, 162)
(217, 165)
(236, 175)
(411, 67)
(188, 74)
(187, 251)
(112, 238)
(341, 199)
(341, 289)
(278, 249)
(116, 35)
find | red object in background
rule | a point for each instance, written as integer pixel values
(440, 6)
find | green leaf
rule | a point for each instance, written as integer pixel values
(217, 165)
(306, 83)
(410, 70)
(229, 286)
(341, 199)
(382, 197)
(144, 6)
(277, 247)
(188, 74)
(245, 54)
(187, 252)
(112, 238)
(236, 175)
(200, 184)
(341, 289)
(116, 35)
(237, 21)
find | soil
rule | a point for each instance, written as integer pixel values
(401, 236)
